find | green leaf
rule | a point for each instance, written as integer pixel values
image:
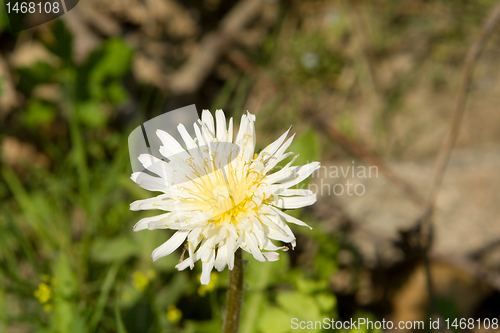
(111, 62)
(4, 20)
(299, 305)
(203, 326)
(147, 241)
(26, 202)
(113, 250)
(447, 307)
(60, 42)
(260, 276)
(103, 296)
(3, 305)
(29, 77)
(326, 302)
(307, 286)
(172, 291)
(91, 114)
(274, 320)
(39, 113)
(66, 284)
(116, 93)
(66, 317)
(308, 147)
(120, 327)
(325, 266)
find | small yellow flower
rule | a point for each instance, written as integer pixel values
(140, 281)
(174, 314)
(48, 307)
(43, 293)
(49, 280)
(204, 289)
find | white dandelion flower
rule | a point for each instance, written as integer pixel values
(220, 195)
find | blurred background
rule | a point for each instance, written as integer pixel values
(364, 84)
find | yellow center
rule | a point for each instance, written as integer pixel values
(228, 195)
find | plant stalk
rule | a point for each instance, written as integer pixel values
(235, 295)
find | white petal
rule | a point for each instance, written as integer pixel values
(269, 151)
(290, 218)
(194, 239)
(155, 165)
(252, 243)
(154, 222)
(151, 203)
(299, 174)
(208, 120)
(221, 125)
(271, 256)
(199, 136)
(276, 228)
(279, 235)
(284, 174)
(207, 268)
(279, 155)
(231, 248)
(222, 255)
(171, 245)
(172, 172)
(230, 130)
(294, 202)
(185, 264)
(246, 137)
(188, 140)
(149, 182)
(243, 128)
(208, 135)
(251, 116)
(292, 192)
(170, 145)
(279, 176)
(232, 230)
(271, 247)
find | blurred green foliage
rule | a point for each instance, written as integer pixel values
(69, 259)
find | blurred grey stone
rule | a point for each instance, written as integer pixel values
(467, 208)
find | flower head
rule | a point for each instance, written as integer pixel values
(220, 195)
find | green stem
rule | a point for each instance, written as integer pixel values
(235, 295)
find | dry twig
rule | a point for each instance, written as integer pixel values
(366, 155)
(425, 221)
(8, 98)
(473, 54)
(189, 77)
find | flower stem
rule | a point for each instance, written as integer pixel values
(235, 295)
